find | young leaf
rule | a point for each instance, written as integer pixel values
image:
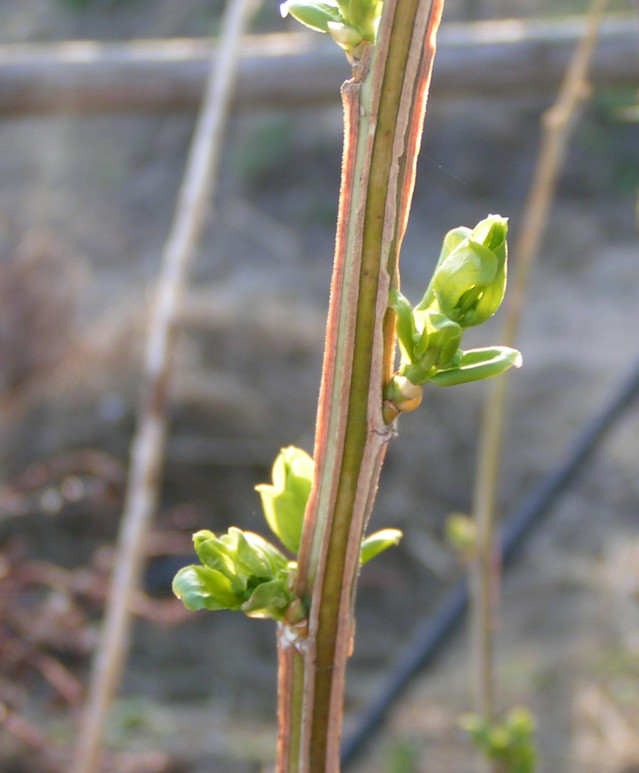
(200, 587)
(451, 241)
(406, 332)
(476, 364)
(364, 15)
(345, 36)
(443, 339)
(217, 554)
(284, 501)
(257, 555)
(314, 15)
(376, 543)
(269, 599)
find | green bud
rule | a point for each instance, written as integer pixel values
(470, 279)
(241, 557)
(202, 536)
(376, 543)
(256, 555)
(428, 340)
(240, 570)
(467, 287)
(200, 587)
(476, 364)
(509, 742)
(284, 501)
(451, 241)
(349, 22)
(346, 37)
(402, 394)
(389, 411)
(364, 16)
(520, 722)
(311, 14)
(461, 534)
(269, 599)
(217, 554)
(498, 741)
(437, 343)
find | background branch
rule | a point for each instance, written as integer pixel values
(557, 124)
(147, 451)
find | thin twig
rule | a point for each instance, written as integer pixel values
(557, 124)
(147, 451)
(49, 758)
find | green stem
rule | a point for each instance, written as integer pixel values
(384, 110)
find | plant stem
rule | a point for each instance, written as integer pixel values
(147, 452)
(384, 107)
(557, 123)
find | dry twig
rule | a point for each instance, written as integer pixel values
(557, 124)
(148, 446)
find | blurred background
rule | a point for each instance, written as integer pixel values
(90, 164)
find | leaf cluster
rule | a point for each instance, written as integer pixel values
(239, 570)
(510, 742)
(243, 571)
(351, 23)
(466, 289)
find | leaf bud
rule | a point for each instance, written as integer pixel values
(461, 534)
(269, 599)
(346, 37)
(403, 394)
(200, 587)
(364, 16)
(436, 345)
(470, 279)
(240, 571)
(315, 15)
(256, 555)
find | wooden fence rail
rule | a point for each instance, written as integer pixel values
(499, 59)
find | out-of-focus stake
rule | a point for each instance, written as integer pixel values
(147, 453)
(557, 124)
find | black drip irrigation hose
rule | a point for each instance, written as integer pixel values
(430, 636)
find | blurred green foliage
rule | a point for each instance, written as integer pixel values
(509, 742)
(265, 148)
(81, 5)
(402, 756)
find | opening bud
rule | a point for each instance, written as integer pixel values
(239, 571)
(364, 16)
(470, 279)
(346, 37)
(314, 15)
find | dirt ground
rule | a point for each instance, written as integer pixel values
(85, 205)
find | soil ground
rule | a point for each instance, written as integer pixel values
(85, 205)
